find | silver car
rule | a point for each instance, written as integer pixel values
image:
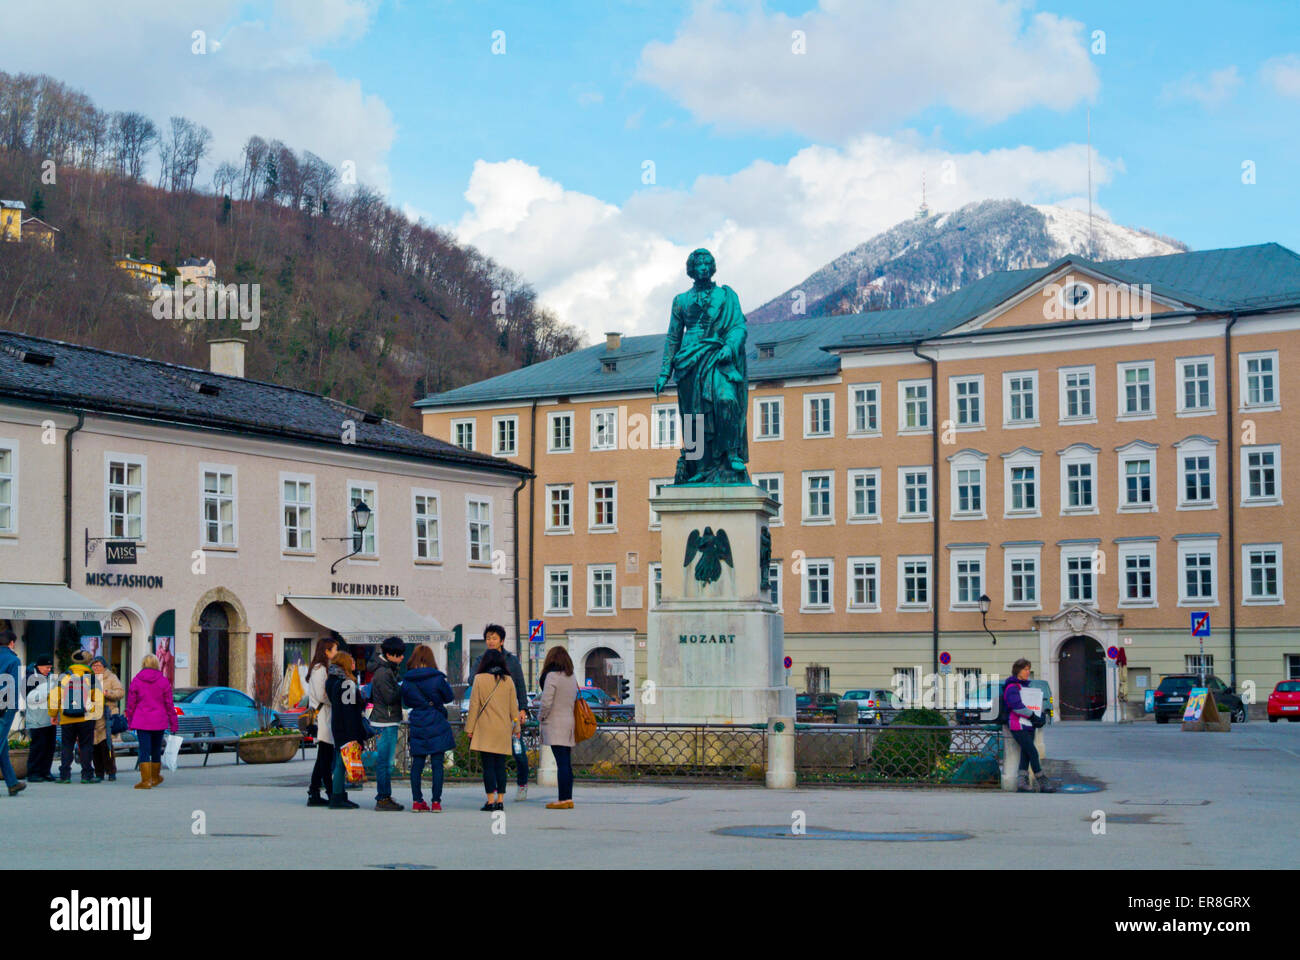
(875, 704)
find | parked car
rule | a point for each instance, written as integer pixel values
(874, 704)
(1284, 701)
(1172, 694)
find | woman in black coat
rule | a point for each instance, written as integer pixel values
(346, 721)
(426, 691)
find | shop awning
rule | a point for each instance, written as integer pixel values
(369, 620)
(47, 601)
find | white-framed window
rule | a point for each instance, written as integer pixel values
(1137, 399)
(604, 429)
(1198, 572)
(818, 586)
(966, 400)
(1079, 479)
(773, 484)
(478, 530)
(1292, 666)
(864, 496)
(505, 436)
(559, 590)
(914, 583)
(864, 585)
(656, 487)
(8, 486)
(656, 584)
(602, 507)
(664, 430)
(819, 415)
(124, 496)
(369, 495)
(1137, 477)
(1195, 385)
(1079, 575)
(600, 588)
(968, 484)
(967, 578)
(559, 432)
(774, 583)
(914, 493)
(559, 508)
(1078, 394)
(906, 682)
(1260, 475)
(1199, 663)
(1137, 575)
(1020, 481)
(1197, 472)
(769, 418)
(818, 496)
(462, 433)
(864, 409)
(217, 489)
(1262, 563)
(426, 525)
(1021, 576)
(913, 406)
(1020, 398)
(1259, 380)
(297, 513)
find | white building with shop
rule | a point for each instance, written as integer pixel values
(147, 507)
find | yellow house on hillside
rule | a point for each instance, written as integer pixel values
(11, 219)
(39, 231)
(146, 271)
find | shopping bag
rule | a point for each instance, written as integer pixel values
(172, 751)
(351, 754)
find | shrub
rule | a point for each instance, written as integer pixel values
(903, 755)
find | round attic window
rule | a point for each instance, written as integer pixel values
(1076, 295)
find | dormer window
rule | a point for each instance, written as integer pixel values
(608, 366)
(766, 351)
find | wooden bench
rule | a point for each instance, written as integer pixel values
(199, 731)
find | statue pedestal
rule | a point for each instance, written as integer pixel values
(714, 651)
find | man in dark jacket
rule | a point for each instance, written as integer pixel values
(10, 688)
(495, 637)
(386, 717)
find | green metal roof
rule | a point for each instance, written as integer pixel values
(1234, 278)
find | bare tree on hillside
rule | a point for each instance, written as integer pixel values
(130, 137)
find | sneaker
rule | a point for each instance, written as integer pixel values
(435, 807)
(521, 793)
(419, 806)
(63, 780)
(17, 788)
(90, 780)
(388, 804)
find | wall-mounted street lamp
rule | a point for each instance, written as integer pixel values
(984, 615)
(360, 520)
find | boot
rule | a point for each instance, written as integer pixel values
(1022, 782)
(146, 781)
(1044, 783)
(155, 773)
(340, 801)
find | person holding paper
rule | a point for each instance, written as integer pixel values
(1024, 713)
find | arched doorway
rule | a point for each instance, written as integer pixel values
(604, 669)
(1083, 679)
(214, 646)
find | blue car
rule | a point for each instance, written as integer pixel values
(233, 712)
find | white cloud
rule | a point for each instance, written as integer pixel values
(259, 76)
(869, 66)
(604, 267)
(1216, 89)
(1283, 75)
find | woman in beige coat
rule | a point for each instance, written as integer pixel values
(555, 714)
(491, 722)
(101, 757)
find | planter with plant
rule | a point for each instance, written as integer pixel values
(18, 748)
(273, 745)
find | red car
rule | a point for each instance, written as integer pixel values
(1284, 701)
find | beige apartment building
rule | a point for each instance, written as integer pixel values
(1097, 447)
(226, 524)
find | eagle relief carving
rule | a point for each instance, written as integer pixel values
(713, 549)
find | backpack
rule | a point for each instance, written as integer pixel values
(79, 691)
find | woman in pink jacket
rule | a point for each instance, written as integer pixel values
(150, 711)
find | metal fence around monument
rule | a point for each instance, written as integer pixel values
(897, 754)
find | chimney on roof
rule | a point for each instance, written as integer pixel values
(226, 356)
(613, 341)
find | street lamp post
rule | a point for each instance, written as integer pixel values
(984, 615)
(360, 520)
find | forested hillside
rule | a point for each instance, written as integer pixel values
(357, 302)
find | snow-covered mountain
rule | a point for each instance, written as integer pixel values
(921, 259)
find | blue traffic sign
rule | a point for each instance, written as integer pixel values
(536, 631)
(1200, 623)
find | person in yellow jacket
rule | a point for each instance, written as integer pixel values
(80, 702)
(492, 722)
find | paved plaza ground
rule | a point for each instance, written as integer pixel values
(1171, 799)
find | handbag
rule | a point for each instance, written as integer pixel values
(117, 725)
(584, 721)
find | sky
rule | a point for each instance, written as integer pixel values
(589, 146)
